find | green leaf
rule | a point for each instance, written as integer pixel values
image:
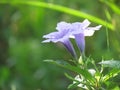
(116, 88)
(69, 77)
(73, 85)
(111, 74)
(76, 69)
(57, 62)
(111, 63)
(63, 9)
(115, 64)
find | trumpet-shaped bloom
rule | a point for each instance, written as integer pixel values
(77, 30)
(61, 36)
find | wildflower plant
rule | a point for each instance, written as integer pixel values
(86, 78)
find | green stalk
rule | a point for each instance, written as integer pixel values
(64, 10)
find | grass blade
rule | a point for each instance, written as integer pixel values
(63, 9)
(114, 7)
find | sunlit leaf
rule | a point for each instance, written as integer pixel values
(111, 63)
(116, 88)
(111, 74)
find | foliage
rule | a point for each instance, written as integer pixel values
(24, 22)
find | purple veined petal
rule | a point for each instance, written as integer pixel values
(56, 36)
(69, 47)
(80, 40)
(62, 37)
(66, 43)
(51, 35)
(77, 28)
(81, 25)
(85, 23)
(94, 28)
(90, 30)
(63, 26)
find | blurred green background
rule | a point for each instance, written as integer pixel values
(22, 53)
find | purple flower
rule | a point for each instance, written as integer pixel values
(77, 30)
(61, 36)
(80, 31)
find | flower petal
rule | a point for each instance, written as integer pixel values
(63, 26)
(63, 37)
(80, 40)
(70, 47)
(51, 35)
(77, 28)
(90, 30)
(94, 28)
(85, 23)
